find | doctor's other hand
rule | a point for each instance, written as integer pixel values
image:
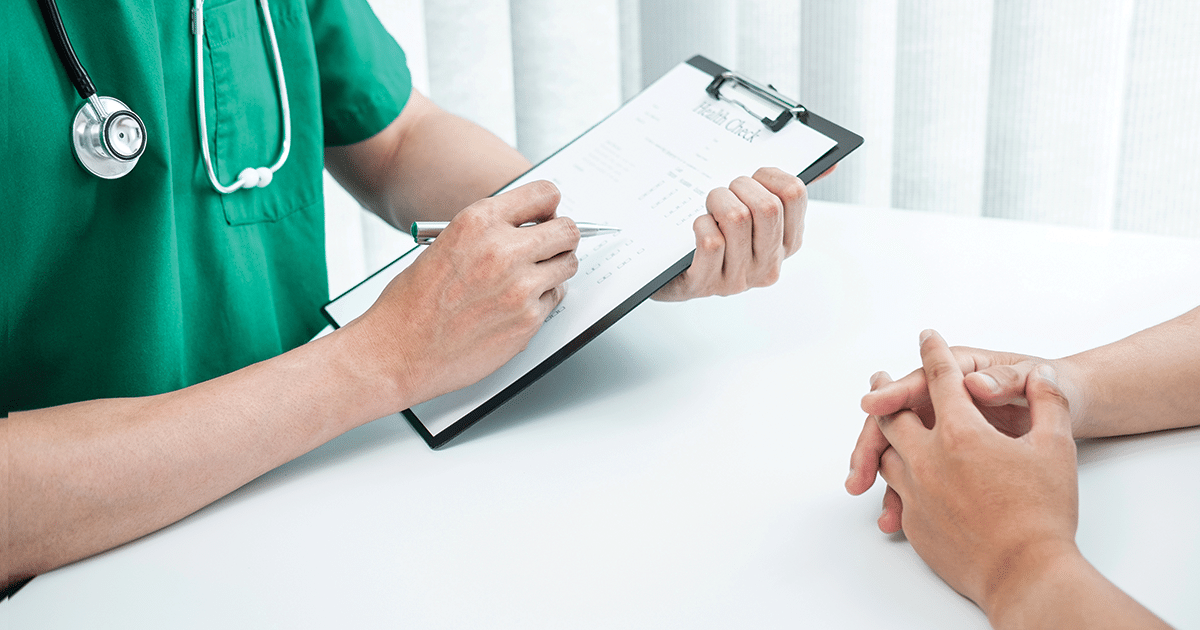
(749, 229)
(475, 297)
(985, 510)
(995, 380)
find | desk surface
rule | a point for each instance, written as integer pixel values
(685, 469)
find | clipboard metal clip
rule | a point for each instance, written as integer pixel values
(766, 93)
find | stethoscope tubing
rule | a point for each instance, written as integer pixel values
(66, 53)
(245, 179)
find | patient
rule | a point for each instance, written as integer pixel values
(981, 468)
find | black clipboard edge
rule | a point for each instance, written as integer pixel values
(847, 141)
(562, 354)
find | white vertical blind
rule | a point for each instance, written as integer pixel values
(569, 65)
(1158, 190)
(1078, 112)
(943, 63)
(847, 74)
(470, 54)
(1054, 116)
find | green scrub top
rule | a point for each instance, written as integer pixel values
(154, 281)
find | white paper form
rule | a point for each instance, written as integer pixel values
(647, 169)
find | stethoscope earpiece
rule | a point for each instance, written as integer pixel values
(255, 177)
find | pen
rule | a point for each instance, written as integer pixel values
(423, 232)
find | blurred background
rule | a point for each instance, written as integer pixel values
(1074, 112)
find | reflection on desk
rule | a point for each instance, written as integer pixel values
(685, 469)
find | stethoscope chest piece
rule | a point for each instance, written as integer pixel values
(107, 143)
(108, 137)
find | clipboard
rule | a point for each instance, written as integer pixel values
(655, 158)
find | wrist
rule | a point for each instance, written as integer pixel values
(378, 378)
(1023, 577)
(1074, 378)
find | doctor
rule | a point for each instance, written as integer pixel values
(163, 238)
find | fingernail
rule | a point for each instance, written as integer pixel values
(850, 476)
(1047, 373)
(925, 334)
(989, 382)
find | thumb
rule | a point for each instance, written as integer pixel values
(999, 384)
(1049, 408)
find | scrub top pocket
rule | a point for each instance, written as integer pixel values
(247, 131)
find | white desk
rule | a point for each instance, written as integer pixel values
(685, 469)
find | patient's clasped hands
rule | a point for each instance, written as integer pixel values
(985, 491)
(978, 451)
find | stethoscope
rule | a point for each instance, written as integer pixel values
(108, 138)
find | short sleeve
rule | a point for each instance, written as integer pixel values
(365, 81)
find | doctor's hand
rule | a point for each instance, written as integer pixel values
(996, 381)
(750, 228)
(989, 512)
(476, 296)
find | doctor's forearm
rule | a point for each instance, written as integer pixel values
(428, 164)
(86, 477)
(447, 164)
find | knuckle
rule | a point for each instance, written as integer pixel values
(726, 207)
(769, 276)
(890, 463)
(546, 192)
(514, 297)
(771, 207)
(964, 357)
(793, 241)
(531, 319)
(1006, 375)
(939, 370)
(796, 242)
(525, 288)
(792, 189)
(743, 182)
(731, 217)
(957, 437)
(570, 229)
(710, 243)
(571, 262)
(738, 215)
(474, 218)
